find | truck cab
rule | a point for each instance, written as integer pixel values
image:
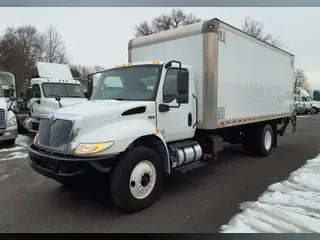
(8, 121)
(53, 88)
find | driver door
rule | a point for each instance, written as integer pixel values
(176, 123)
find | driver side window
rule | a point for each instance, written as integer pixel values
(36, 91)
(170, 85)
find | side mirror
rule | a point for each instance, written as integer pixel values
(29, 93)
(183, 87)
(11, 92)
(89, 89)
(183, 82)
(58, 99)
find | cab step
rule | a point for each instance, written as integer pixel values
(192, 166)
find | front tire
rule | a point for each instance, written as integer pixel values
(9, 142)
(314, 110)
(136, 179)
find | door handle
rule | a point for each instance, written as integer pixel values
(189, 119)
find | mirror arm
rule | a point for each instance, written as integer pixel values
(175, 106)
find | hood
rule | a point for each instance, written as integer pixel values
(67, 101)
(98, 111)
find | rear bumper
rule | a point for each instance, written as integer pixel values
(59, 167)
(7, 134)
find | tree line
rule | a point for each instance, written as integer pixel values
(21, 47)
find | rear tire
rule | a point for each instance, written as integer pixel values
(265, 142)
(136, 179)
(258, 140)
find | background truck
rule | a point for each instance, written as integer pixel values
(210, 83)
(307, 101)
(8, 102)
(53, 88)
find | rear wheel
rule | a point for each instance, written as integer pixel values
(136, 179)
(259, 140)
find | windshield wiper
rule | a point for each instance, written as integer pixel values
(53, 96)
(75, 96)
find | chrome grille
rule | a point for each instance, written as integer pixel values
(56, 135)
(2, 118)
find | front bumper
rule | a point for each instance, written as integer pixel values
(9, 133)
(58, 167)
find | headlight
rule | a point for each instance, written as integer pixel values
(12, 121)
(92, 148)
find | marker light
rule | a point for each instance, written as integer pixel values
(210, 26)
(92, 148)
(117, 66)
(123, 65)
(129, 64)
(155, 62)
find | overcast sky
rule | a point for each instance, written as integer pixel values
(99, 36)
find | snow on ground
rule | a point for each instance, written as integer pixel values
(18, 151)
(14, 155)
(291, 206)
(23, 140)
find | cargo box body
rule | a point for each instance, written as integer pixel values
(239, 79)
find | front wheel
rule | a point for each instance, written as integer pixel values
(136, 179)
(314, 110)
(9, 142)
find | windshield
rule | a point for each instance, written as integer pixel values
(63, 90)
(136, 83)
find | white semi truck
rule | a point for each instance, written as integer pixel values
(53, 88)
(8, 102)
(209, 83)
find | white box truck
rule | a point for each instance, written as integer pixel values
(183, 93)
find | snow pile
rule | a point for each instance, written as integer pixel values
(23, 141)
(291, 206)
(14, 155)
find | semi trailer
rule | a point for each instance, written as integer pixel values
(182, 94)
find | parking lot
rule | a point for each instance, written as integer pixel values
(199, 201)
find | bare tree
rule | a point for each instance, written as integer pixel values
(300, 80)
(83, 71)
(53, 48)
(256, 29)
(164, 22)
(19, 50)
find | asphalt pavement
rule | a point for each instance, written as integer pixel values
(198, 201)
